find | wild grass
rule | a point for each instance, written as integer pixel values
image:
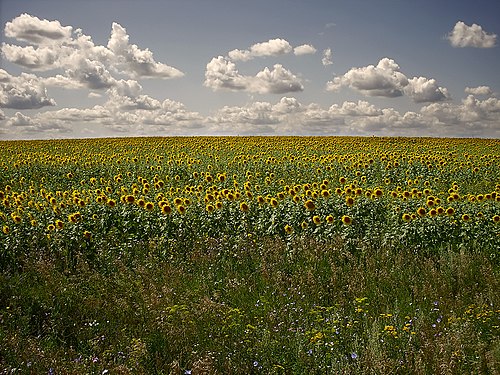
(252, 305)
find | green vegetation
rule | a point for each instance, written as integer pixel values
(288, 256)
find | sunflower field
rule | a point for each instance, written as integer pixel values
(250, 255)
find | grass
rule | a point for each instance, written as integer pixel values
(252, 305)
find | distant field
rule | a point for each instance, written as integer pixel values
(250, 255)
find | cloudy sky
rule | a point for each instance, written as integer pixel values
(72, 69)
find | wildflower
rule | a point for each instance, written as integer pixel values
(309, 205)
(406, 217)
(166, 209)
(349, 201)
(59, 224)
(347, 220)
(244, 207)
(421, 212)
(16, 218)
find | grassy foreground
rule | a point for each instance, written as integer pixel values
(240, 306)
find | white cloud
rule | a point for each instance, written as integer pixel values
(272, 47)
(327, 57)
(2, 115)
(84, 64)
(463, 35)
(23, 92)
(222, 74)
(20, 123)
(41, 58)
(423, 90)
(134, 61)
(387, 80)
(276, 81)
(480, 90)
(31, 29)
(304, 49)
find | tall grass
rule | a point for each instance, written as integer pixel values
(247, 305)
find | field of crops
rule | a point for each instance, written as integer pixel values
(250, 255)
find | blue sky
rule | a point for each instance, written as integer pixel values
(133, 68)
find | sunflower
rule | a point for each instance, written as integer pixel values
(218, 205)
(244, 207)
(304, 225)
(181, 209)
(329, 219)
(406, 217)
(465, 217)
(111, 203)
(347, 220)
(129, 198)
(166, 209)
(450, 211)
(349, 201)
(149, 206)
(59, 224)
(421, 212)
(288, 229)
(309, 205)
(5, 229)
(209, 208)
(433, 212)
(316, 220)
(16, 218)
(87, 235)
(496, 219)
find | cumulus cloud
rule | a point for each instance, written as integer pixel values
(423, 90)
(480, 90)
(304, 49)
(272, 47)
(221, 73)
(387, 80)
(86, 64)
(34, 30)
(327, 57)
(463, 35)
(23, 92)
(135, 61)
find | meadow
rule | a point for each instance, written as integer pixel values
(250, 255)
